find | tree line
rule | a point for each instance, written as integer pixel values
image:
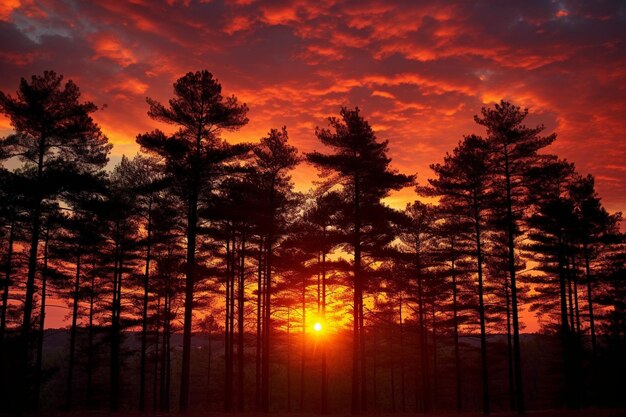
(198, 238)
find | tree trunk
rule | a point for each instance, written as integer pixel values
(90, 331)
(288, 361)
(166, 360)
(73, 329)
(208, 372)
(358, 299)
(402, 370)
(42, 322)
(30, 282)
(481, 309)
(240, 328)
(423, 348)
(303, 345)
(155, 365)
(570, 296)
(267, 325)
(190, 280)
(592, 327)
(392, 372)
(435, 358)
(565, 328)
(5, 300)
(116, 318)
(259, 332)
(576, 309)
(231, 330)
(509, 346)
(227, 318)
(324, 402)
(511, 261)
(144, 318)
(455, 323)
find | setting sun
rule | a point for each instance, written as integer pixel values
(317, 327)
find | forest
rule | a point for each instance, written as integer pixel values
(198, 279)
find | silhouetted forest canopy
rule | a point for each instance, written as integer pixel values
(198, 279)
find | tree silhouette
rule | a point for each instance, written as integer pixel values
(360, 165)
(274, 159)
(462, 182)
(194, 156)
(514, 150)
(57, 139)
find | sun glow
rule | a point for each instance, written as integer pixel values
(317, 327)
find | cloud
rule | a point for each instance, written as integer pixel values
(418, 70)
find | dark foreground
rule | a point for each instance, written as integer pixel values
(590, 412)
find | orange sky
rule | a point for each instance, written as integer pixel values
(418, 70)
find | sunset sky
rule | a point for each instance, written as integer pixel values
(419, 73)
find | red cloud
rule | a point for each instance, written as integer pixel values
(420, 71)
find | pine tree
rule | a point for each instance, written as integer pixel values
(194, 157)
(514, 150)
(57, 139)
(274, 159)
(462, 182)
(359, 163)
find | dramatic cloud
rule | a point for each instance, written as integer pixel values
(418, 70)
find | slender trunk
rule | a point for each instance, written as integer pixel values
(592, 327)
(358, 299)
(356, 401)
(30, 281)
(481, 308)
(576, 342)
(155, 364)
(288, 360)
(208, 371)
(116, 319)
(423, 348)
(324, 401)
(435, 357)
(319, 286)
(457, 356)
(392, 366)
(231, 330)
(402, 370)
(562, 290)
(167, 350)
(267, 325)
(267, 320)
(163, 398)
(90, 332)
(190, 279)
(511, 261)
(5, 300)
(576, 308)
(70, 368)
(375, 377)
(227, 350)
(570, 297)
(303, 344)
(565, 328)
(240, 328)
(509, 346)
(144, 318)
(362, 352)
(42, 321)
(259, 309)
